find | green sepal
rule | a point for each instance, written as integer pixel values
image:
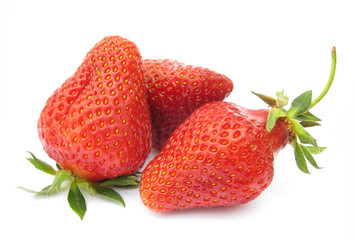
(300, 158)
(298, 117)
(307, 117)
(110, 193)
(122, 181)
(309, 124)
(44, 191)
(282, 99)
(313, 150)
(58, 166)
(41, 165)
(273, 116)
(76, 200)
(88, 187)
(59, 178)
(309, 156)
(300, 105)
(272, 102)
(302, 134)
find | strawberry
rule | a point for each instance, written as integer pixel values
(97, 126)
(223, 154)
(97, 123)
(175, 90)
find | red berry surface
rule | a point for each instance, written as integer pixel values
(97, 124)
(221, 155)
(175, 90)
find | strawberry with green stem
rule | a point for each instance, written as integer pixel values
(298, 117)
(96, 125)
(223, 154)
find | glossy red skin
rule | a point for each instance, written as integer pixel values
(221, 155)
(97, 124)
(175, 90)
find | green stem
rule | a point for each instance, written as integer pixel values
(330, 80)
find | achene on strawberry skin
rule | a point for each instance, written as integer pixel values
(174, 90)
(223, 154)
(97, 124)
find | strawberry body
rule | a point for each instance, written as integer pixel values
(175, 90)
(97, 124)
(219, 156)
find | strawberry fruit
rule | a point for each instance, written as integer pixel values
(175, 90)
(97, 126)
(223, 154)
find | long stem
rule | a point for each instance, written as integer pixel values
(330, 80)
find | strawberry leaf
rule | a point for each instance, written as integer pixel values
(122, 181)
(282, 99)
(272, 102)
(44, 191)
(58, 166)
(309, 124)
(313, 150)
(59, 178)
(302, 134)
(300, 159)
(273, 116)
(300, 105)
(41, 165)
(307, 117)
(110, 193)
(76, 200)
(88, 187)
(309, 156)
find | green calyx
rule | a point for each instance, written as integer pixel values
(75, 198)
(299, 117)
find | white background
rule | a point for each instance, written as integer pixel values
(263, 46)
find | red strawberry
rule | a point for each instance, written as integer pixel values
(97, 124)
(175, 90)
(223, 154)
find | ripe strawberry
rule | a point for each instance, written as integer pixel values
(223, 154)
(97, 124)
(175, 90)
